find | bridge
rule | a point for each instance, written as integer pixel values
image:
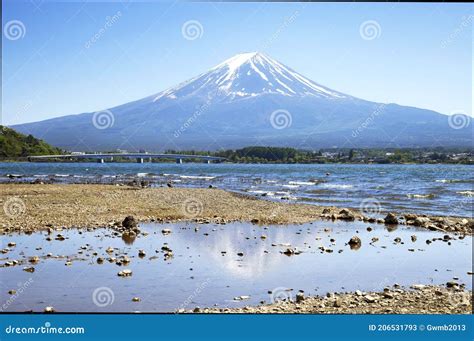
(140, 157)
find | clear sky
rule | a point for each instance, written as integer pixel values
(75, 57)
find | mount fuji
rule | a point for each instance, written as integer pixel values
(250, 99)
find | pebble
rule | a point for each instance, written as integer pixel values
(125, 273)
(49, 310)
(136, 299)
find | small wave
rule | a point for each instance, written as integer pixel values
(291, 186)
(466, 193)
(301, 183)
(421, 196)
(262, 192)
(336, 186)
(62, 175)
(196, 177)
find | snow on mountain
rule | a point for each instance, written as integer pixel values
(250, 99)
(249, 75)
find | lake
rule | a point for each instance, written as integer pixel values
(430, 189)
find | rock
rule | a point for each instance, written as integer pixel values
(100, 260)
(240, 254)
(397, 240)
(49, 310)
(136, 299)
(413, 238)
(125, 273)
(345, 214)
(166, 231)
(129, 222)
(196, 310)
(11, 244)
(60, 237)
(452, 284)
(141, 253)
(241, 298)
(289, 252)
(109, 250)
(421, 221)
(29, 269)
(370, 298)
(388, 295)
(255, 221)
(391, 219)
(327, 211)
(355, 242)
(263, 237)
(300, 297)
(12, 292)
(369, 229)
(418, 286)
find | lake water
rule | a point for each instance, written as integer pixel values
(206, 269)
(430, 189)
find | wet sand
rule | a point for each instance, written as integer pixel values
(30, 207)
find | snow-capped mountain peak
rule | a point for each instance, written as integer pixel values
(249, 75)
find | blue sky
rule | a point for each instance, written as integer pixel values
(421, 55)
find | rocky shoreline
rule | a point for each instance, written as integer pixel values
(419, 299)
(31, 207)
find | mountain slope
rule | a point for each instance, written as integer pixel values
(250, 99)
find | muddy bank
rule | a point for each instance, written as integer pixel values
(419, 299)
(38, 206)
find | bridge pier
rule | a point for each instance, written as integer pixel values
(179, 161)
(139, 160)
(100, 161)
(207, 161)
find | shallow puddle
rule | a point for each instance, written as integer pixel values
(208, 268)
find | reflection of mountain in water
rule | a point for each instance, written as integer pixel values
(232, 239)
